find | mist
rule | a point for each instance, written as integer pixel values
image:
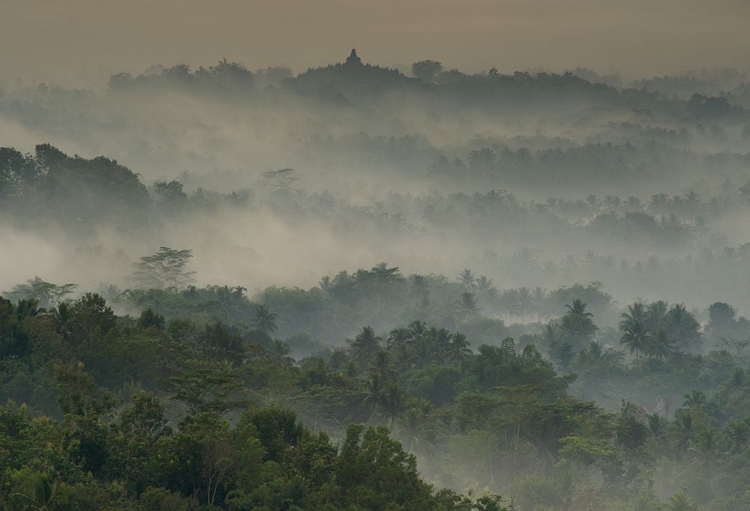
(503, 245)
(589, 178)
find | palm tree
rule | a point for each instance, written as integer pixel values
(692, 198)
(28, 307)
(466, 307)
(325, 284)
(381, 364)
(525, 301)
(661, 345)
(442, 340)
(657, 427)
(419, 286)
(280, 351)
(695, 399)
(738, 432)
(485, 289)
(417, 329)
(509, 301)
(263, 320)
(423, 351)
(594, 352)
(405, 357)
(458, 349)
(655, 313)
(683, 431)
(467, 278)
(230, 301)
(633, 204)
(373, 393)
(365, 345)
(706, 450)
(398, 338)
(110, 292)
(577, 325)
(539, 298)
(637, 338)
(594, 204)
(393, 402)
(61, 318)
(701, 228)
(659, 203)
(415, 433)
(550, 335)
(636, 314)
(682, 327)
(612, 202)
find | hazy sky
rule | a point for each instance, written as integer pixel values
(40, 39)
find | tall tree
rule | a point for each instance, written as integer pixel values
(683, 328)
(165, 269)
(635, 335)
(577, 327)
(426, 70)
(365, 345)
(264, 320)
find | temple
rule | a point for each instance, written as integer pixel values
(353, 59)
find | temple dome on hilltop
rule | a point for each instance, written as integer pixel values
(353, 59)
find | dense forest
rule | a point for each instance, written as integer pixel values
(360, 287)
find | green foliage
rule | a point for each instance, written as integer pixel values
(181, 413)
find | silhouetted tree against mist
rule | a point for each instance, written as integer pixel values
(724, 327)
(654, 315)
(577, 327)
(466, 308)
(426, 70)
(264, 320)
(467, 278)
(524, 301)
(170, 194)
(681, 326)
(662, 345)
(637, 338)
(365, 345)
(166, 268)
(47, 294)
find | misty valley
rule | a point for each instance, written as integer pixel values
(376, 288)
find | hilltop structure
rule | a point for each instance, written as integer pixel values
(353, 59)
(352, 77)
